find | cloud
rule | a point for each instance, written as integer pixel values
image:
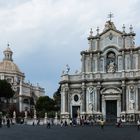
(45, 35)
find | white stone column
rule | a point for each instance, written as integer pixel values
(91, 62)
(25, 117)
(20, 98)
(45, 118)
(56, 119)
(104, 107)
(83, 62)
(62, 101)
(138, 98)
(118, 107)
(14, 117)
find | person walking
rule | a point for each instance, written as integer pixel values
(102, 124)
(138, 124)
(8, 122)
(0, 122)
(48, 124)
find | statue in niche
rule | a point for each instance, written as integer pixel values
(90, 107)
(132, 98)
(111, 67)
(91, 98)
(90, 90)
(111, 62)
(131, 104)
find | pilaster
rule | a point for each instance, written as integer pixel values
(138, 59)
(123, 96)
(98, 98)
(131, 59)
(83, 62)
(84, 98)
(138, 98)
(98, 62)
(91, 65)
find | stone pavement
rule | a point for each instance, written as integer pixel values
(26, 132)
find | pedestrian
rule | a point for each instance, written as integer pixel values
(8, 122)
(61, 123)
(119, 124)
(38, 122)
(0, 122)
(70, 122)
(65, 123)
(138, 124)
(48, 124)
(102, 124)
(33, 123)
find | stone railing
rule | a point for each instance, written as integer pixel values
(90, 76)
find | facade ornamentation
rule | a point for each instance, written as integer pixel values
(109, 81)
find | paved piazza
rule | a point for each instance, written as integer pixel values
(26, 132)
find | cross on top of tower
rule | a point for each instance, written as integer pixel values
(110, 16)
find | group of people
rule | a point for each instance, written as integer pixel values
(5, 121)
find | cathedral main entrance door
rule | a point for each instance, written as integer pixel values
(111, 110)
(75, 110)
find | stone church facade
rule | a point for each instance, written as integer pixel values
(108, 85)
(26, 94)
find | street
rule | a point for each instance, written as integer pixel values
(28, 132)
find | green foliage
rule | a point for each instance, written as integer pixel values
(57, 99)
(6, 90)
(49, 105)
(45, 104)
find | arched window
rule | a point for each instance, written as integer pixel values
(110, 63)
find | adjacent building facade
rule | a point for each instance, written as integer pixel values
(26, 94)
(108, 85)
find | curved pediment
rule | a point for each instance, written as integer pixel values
(111, 91)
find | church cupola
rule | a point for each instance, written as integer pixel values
(8, 54)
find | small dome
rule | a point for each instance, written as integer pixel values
(8, 50)
(8, 66)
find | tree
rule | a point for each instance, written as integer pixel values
(57, 99)
(45, 104)
(6, 91)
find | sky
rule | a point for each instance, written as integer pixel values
(46, 35)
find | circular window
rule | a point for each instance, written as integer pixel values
(76, 98)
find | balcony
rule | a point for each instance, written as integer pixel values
(101, 76)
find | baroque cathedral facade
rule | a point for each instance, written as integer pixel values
(26, 94)
(108, 85)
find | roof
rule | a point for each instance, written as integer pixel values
(8, 66)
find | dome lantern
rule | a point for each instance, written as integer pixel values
(8, 53)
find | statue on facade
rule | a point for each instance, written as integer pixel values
(131, 104)
(111, 67)
(67, 68)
